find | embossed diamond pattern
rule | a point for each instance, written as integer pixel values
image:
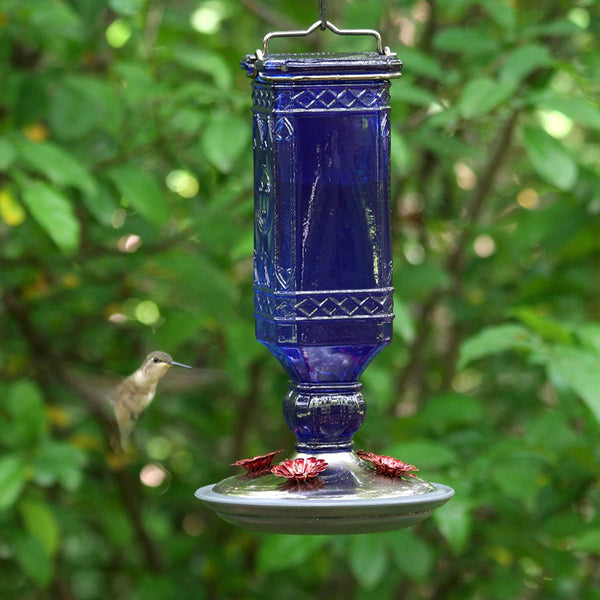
(346, 98)
(353, 305)
(319, 98)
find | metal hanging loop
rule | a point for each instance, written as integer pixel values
(323, 23)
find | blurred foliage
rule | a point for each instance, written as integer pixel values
(126, 226)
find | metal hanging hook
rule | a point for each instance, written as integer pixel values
(323, 14)
(323, 24)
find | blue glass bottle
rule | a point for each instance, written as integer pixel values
(322, 258)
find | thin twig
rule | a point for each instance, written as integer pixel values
(247, 405)
(269, 15)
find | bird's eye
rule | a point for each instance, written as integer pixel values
(156, 359)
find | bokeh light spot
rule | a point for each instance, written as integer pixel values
(208, 17)
(182, 183)
(414, 252)
(118, 218)
(159, 448)
(580, 17)
(152, 475)
(118, 33)
(465, 176)
(147, 312)
(484, 246)
(129, 243)
(555, 123)
(117, 317)
(528, 198)
(12, 212)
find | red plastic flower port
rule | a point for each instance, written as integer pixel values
(387, 465)
(300, 469)
(258, 463)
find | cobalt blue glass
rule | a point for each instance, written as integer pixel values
(322, 254)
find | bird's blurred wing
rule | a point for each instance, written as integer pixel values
(178, 381)
(97, 384)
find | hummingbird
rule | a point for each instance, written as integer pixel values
(135, 393)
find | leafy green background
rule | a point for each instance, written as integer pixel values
(126, 226)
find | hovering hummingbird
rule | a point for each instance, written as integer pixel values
(135, 393)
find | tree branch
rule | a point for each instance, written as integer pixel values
(455, 266)
(456, 261)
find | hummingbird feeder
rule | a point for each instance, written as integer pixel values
(323, 290)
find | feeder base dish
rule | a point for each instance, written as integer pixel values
(348, 497)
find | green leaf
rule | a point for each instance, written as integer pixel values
(102, 204)
(197, 270)
(414, 94)
(55, 20)
(424, 454)
(358, 13)
(550, 329)
(403, 158)
(589, 335)
(216, 229)
(403, 322)
(40, 523)
(521, 62)
(588, 541)
(206, 62)
(140, 190)
(560, 27)
(368, 559)
(517, 476)
(470, 41)
(126, 7)
(56, 164)
(80, 104)
(33, 559)
(420, 280)
(550, 158)
(501, 12)
(278, 552)
(420, 63)
(58, 462)
(454, 521)
(54, 213)
(137, 82)
(413, 556)
(482, 95)
(7, 154)
(452, 410)
(580, 371)
(25, 417)
(554, 433)
(494, 340)
(12, 480)
(224, 140)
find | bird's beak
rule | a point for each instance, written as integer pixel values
(176, 364)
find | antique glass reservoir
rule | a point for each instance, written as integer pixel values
(323, 290)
